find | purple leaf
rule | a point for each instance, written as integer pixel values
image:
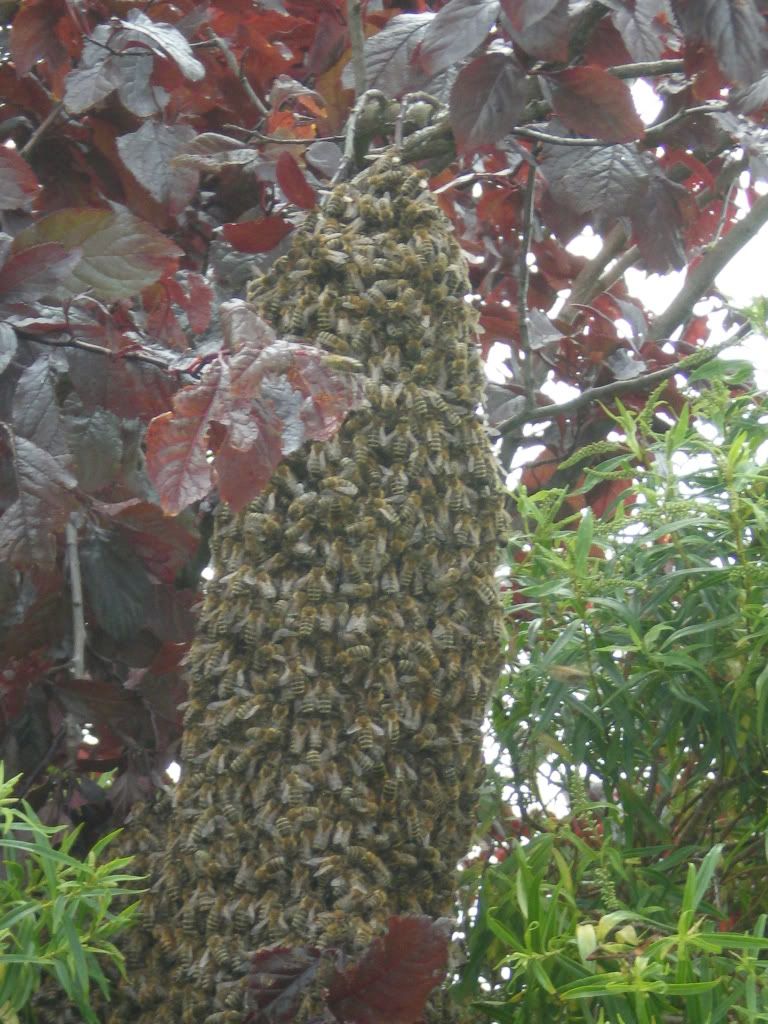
(134, 86)
(459, 28)
(601, 180)
(624, 365)
(163, 39)
(634, 21)
(44, 498)
(388, 54)
(96, 443)
(487, 100)
(8, 345)
(734, 29)
(148, 155)
(86, 87)
(116, 583)
(540, 27)
(324, 158)
(657, 224)
(36, 413)
(541, 330)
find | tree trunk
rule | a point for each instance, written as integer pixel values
(349, 638)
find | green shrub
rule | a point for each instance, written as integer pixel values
(625, 878)
(56, 912)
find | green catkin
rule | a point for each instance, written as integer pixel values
(349, 639)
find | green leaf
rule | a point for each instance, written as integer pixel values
(583, 543)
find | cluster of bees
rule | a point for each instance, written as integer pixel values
(350, 635)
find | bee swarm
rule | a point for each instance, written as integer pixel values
(350, 636)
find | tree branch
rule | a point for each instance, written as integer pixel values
(586, 281)
(237, 71)
(87, 346)
(78, 608)
(522, 288)
(41, 129)
(618, 387)
(647, 68)
(357, 43)
(701, 277)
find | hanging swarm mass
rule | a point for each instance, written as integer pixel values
(351, 634)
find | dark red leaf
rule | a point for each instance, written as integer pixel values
(243, 472)
(459, 28)
(18, 184)
(540, 27)
(295, 186)
(129, 389)
(279, 980)
(593, 102)
(734, 29)
(37, 271)
(34, 36)
(120, 254)
(164, 544)
(257, 235)
(177, 442)
(392, 981)
(487, 100)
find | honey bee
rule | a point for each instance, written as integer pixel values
(358, 652)
(485, 590)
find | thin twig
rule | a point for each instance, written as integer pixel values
(237, 71)
(523, 278)
(647, 68)
(618, 387)
(77, 665)
(555, 140)
(357, 43)
(708, 108)
(87, 346)
(41, 129)
(255, 133)
(701, 277)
